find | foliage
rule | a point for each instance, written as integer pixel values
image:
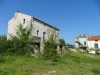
(3, 44)
(22, 41)
(96, 71)
(62, 41)
(50, 48)
(70, 64)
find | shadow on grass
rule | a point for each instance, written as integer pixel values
(2, 59)
(96, 71)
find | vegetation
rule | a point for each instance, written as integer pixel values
(19, 44)
(62, 41)
(70, 64)
(3, 44)
(22, 40)
(14, 62)
(50, 48)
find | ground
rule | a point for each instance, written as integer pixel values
(73, 63)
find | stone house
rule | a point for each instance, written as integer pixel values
(39, 29)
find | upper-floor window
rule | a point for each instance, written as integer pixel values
(84, 43)
(96, 40)
(44, 36)
(37, 32)
(23, 21)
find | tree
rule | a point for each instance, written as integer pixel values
(3, 44)
(22, 40)
(62, 41)
(50, 47)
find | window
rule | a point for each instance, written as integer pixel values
(37, 32)
(84, 43)
(96, 40)
(44, 36)
(96, 45)
(23, 21)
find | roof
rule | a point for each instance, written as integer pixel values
(45, 23)
(94, 38)
(42, 22)
(82, 36)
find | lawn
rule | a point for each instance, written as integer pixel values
(77, 63)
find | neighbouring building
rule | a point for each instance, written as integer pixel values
(39, 29)
(81, 42)
(94, 42)
(70, 45)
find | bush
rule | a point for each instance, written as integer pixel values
(22, 41)
(3, 44)
(50, 48)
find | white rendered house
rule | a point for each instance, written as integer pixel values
(81, 42)
(39, 29)
(94, 42)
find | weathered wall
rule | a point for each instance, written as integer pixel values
(16, 20)
(30, 22)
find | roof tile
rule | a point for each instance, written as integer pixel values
(94, 38)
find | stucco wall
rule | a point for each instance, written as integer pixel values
(30, 22)
(76, 45)
(42, 28)
(16, 20)
(81, 40)
(92, 42)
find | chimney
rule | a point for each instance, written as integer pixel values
(17, 11)
(15, 16)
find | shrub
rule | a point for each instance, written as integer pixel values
(3, 44)
(22, 41)
(50, 48)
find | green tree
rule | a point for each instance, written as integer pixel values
(62, 41)
(3, 44)
(22, 40)
(50, 47)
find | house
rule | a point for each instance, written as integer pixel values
(70, 45)
(81, 42)
(39, 29)
(94, 42)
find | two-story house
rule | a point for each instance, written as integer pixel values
(94, 42)
(81, 42)
(39, 29)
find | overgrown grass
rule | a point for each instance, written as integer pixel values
(71, 64)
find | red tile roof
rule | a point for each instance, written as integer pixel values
(94, 38)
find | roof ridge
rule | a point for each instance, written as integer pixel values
(37, 19)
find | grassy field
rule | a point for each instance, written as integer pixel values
(71, 64)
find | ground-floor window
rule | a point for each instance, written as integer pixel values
(96, 45)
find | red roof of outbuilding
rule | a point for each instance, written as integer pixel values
(94, 38)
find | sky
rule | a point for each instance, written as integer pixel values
(72, 17)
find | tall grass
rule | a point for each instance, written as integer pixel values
(70, 64)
